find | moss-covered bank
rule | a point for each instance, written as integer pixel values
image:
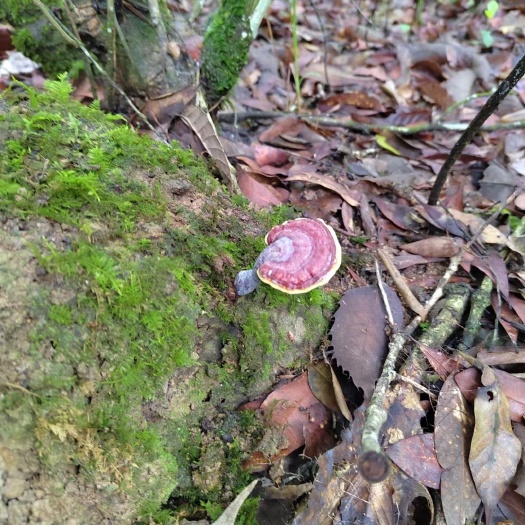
(123, 351)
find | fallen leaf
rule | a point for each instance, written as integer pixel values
(358, 334)
(320, 381)
(495, 451)
(199, 120)
(258, 192)
(453, 430)
(490, 235)
(295, 414)
(416, 456)
(324, 181)
(443, 364)
(469, 381)
(433, 247)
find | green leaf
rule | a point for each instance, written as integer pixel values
(383, 142)
(487, 38)
(492, 9)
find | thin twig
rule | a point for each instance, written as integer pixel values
(344, 122)
(401, 285)
(488, 108)
(386, 302)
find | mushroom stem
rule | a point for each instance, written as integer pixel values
(247, 280)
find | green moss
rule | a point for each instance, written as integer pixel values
(18, 12)
(225, 48)
(42, 43)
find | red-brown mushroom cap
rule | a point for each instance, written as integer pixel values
(308, 255)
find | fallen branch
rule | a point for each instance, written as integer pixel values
(343, 122)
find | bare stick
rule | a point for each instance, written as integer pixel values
(489, 107)
(334, 122)
(401, 285)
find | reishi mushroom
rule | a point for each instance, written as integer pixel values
(301, 255)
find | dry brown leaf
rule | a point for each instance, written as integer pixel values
(435, 92)
(506, 316)
(490, 235)
(469, 381)
(199, 120)
(502, 356)
(325, 182)
(339, 396)
(443, 364)
(320, 381)
(258, 192)
(416, 456)
(358, 334)
(295, 414)
(452, 434)
(495, 451)
(433, 247)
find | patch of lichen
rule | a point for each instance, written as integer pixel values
(225, 48)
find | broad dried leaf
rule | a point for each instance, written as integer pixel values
(433, 247)
(258, 192)
(301, 416)
(438, 217)
(490, 235)
(495, 451)
(268, 155)
(339, 396)
(502, 355)
(325, 182)
(320, 381)
(400, 215)
(499, 271)
(452, 434)
(416, 456)
(513, 505)
(518, 304)
(199, 120)
(358, 334)
(435, 92)
(513, 387)
(507, 317)
(498, 183)
(442, 364)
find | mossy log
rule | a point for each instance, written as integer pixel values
(123, 351)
